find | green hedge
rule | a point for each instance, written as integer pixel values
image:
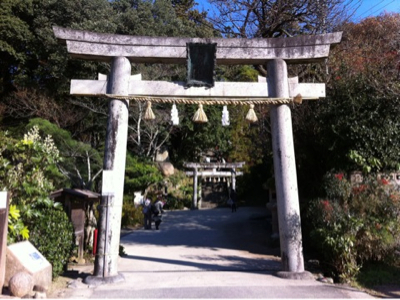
(52, 234)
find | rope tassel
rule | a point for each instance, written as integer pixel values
(149, 115)
(225, 116)
(174, 115)
(200, 115)
(251, 115)
(298, 99)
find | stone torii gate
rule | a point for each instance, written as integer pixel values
(278, 92)
(231, 173)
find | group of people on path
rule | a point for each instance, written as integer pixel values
(153, 212)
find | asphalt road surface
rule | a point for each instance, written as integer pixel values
(209, 253)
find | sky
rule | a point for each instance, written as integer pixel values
(370, 8)
(367, 8)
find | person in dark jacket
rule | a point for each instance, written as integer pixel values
(158, 211)
(233, 198)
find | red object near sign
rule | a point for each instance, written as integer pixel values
(95, 242)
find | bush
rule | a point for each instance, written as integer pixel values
(52, 234)
(355, 223)
(180, 191)
(131, 215)
(176, 203)
(28, 169)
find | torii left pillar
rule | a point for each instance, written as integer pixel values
(106, 263)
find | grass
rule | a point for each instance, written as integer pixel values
(378, 273)
(379, 279)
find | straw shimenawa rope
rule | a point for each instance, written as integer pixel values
(200, 116)
(205, 101)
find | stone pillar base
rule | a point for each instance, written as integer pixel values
(98, 280)
(295, 275)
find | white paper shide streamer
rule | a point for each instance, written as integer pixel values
(174, 115)
(225, 116)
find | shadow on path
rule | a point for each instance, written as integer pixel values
(247, 230)
(236, 263)
(212, 239)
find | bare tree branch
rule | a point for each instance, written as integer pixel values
(271, 18)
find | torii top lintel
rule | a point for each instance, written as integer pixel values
(172, 50)
(194, 165)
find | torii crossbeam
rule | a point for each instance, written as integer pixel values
(123, 50)
(172, 50)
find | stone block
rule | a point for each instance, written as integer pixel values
(166, 168)
(24, 257)
(162, 155)
(356, 177)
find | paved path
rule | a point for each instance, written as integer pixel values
(209, 253)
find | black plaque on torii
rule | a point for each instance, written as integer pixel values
(200, 64)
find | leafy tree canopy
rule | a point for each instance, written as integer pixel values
(28, 172)
(81, 163)
(356, 127)
(139, 175)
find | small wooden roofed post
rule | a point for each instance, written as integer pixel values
(227, 170)
(122, 50)
(75, 202)
(79, 193)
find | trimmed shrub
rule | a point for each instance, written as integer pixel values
(131, 215)
(180, 191)
(52, 234)
(175, 203)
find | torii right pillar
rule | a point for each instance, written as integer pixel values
(285, 174)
